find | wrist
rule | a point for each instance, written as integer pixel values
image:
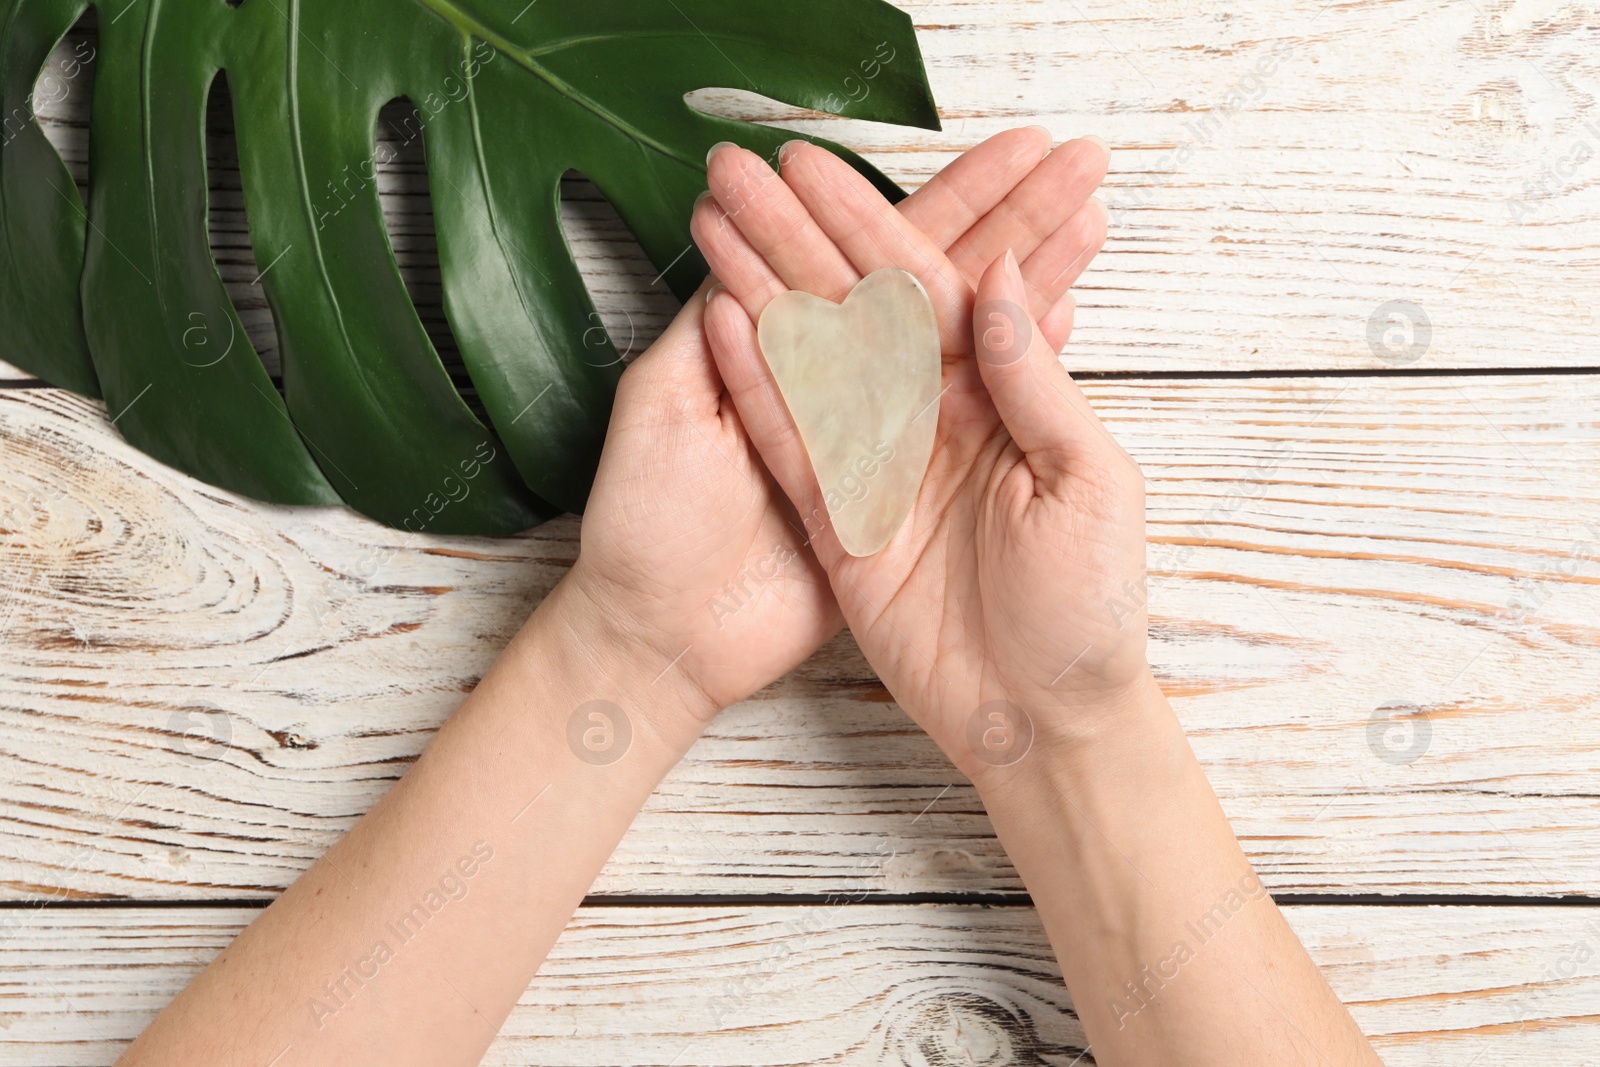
(605, 655)
(1120, 732)
(1106, 726)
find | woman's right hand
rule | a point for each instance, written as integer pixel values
(1008, 609)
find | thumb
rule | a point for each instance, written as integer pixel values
(1043, 409)
(765, 416)
(678, 366)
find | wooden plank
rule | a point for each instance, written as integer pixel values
(1283, 173)
(849, 984)
(1282, 176)
(1374, 602)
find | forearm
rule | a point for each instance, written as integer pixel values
(1171, 948)
(412, 938)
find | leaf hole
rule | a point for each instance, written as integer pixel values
(400, 165)
(228, 230)
(743, 105)
(62, 95)
(630, 297)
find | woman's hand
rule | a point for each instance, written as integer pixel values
(687, 545)
(1017, 581)
(1007, 615)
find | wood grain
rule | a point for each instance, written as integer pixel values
(1374, 602)
(931, 986)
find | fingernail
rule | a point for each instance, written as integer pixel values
(719, 146)
(1048, 136)
(1101, 141)
(1013, 272)
(703, 196)
(785, 151)
(714, 290)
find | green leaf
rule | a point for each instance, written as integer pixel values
(507, 95)
(41, 213)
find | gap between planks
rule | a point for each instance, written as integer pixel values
(795, 900)
(22, 381)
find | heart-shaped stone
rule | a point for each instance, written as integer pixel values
(862, 382)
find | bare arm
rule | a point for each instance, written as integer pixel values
(1171, 946)
(412, 938)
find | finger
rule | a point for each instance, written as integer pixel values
(1057, 323)
(1050, 195)
(731, 336)
(872, 235)
(962, 195)
(959, 196)
(679, 367)
(731, 257)
(1043, 409)
(777, 225)
(1057, 263)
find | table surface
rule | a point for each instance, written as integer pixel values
(1375, 589)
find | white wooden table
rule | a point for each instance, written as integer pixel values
(1375, 591)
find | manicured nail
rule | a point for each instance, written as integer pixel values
(1049, 138)
(714, 290)
(719, 146)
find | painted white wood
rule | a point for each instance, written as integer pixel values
(925, 986)
(1324, 552)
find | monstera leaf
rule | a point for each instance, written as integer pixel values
(507, 95)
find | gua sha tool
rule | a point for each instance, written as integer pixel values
(862, 382)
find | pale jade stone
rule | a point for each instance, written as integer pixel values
(862, 382)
